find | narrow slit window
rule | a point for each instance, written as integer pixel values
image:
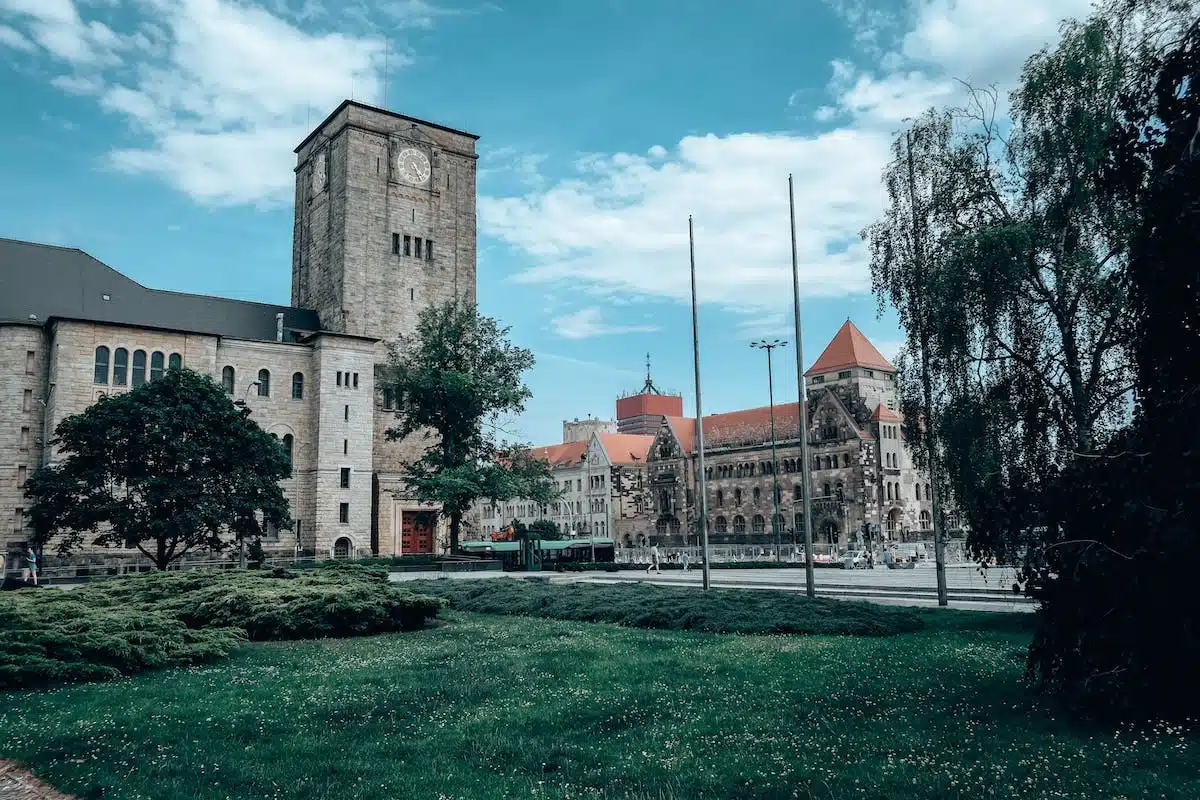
(395, 244)
(356, 380)
(347, 413)
(417, 249)
(407, 245)
(429, 249)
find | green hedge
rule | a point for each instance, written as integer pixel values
(648, 606)
(124, 625)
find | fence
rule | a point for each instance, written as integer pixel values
(955, 553)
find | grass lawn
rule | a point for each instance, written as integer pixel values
(494, 706)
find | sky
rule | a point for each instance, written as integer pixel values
(157, 135)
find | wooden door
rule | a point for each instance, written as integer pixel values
(416, 532)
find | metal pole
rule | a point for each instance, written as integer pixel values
(806, 466)
(774, 458)
(699, 410)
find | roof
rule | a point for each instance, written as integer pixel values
(752, 425)
(684, 429)
(49, 281)
(849, 348)
(626, 448)
(560, 455)
(885, 414)
(378, 110)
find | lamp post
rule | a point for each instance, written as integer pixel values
(769, 346)
(805, 476)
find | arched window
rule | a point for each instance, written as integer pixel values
(660, 527)
(264, 383)
(721, 525)
(889, 490)
(120, 366)
(797, 493)
(101, 366)
(298, 386)
(777, 494)
(840, 491)
(720, 498)
(816, 462)
(798, 521)
(757, 495)
(739, 524)
(175, 361)
(139, 368)
(227, 378)
(897, 491)
(926, 521)
(917, 490)
(828, 491)
(737, 497)
(758, 524)
(157, 364)
(845, 459)
(928, 492)
(779, 526)
(289, 445)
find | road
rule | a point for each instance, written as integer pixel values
(968, 589)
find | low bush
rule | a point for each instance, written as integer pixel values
(125, 625)
(648, 606)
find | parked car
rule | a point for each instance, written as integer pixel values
(854, 559)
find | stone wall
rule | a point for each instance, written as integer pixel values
(23, 368)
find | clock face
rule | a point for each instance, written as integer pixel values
(318, 173)
(412, 166)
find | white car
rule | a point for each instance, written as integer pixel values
(854, 559)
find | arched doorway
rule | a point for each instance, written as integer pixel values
(893, 523)
(341, 547)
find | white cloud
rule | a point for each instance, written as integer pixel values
(588, 322)
(617, 224)
(583, 362)
(11, 37)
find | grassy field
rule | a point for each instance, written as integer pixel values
(493, 706)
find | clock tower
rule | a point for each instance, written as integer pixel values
(384, 227)
(385, 220)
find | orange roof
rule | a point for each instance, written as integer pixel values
(885, 414)
(684, 429)
(626, 448)
(560, 455)
(849, 348)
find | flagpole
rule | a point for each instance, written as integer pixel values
(806, 466)
(699, 410)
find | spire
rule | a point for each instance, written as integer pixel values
(649, 387)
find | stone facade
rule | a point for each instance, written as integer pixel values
(580, 430)
(353, 202)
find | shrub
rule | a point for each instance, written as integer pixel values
(648, 606)
(163, 619)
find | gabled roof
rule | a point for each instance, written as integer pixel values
(626, 448)
(751, 425)
(885, 414)
(47, 281)
(560, 455)
(684, 429)
(849, 348)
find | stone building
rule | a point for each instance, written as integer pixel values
(600, 481)
(863, 480)
(384, 226)
(580, 430)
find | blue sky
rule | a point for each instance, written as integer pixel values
(157, 136)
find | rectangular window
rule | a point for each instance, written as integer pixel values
(407, 245)
(24, 438)
(818, 379)
(344, 513)
(356, 380)
(429, 249)
(299, 530)
(18, 520)
(345, 477)
(844, 374)
(345, 447)
(347, 413)
(395, 244)
(339, 378)
(417, 249)
(22, 476)
(27, 400)
(30, 356)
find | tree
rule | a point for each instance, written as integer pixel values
(453, 378)
(545, 529)
(167, 468)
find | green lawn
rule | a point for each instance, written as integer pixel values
(492, 706)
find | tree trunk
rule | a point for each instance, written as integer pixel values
(455, 526)
(160, 554)
(935, 505)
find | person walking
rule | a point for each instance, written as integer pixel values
(654, 565)
(684, 560)
(30, 566)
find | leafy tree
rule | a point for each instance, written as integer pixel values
(453, 378)
(1116, 635)
(545, 529)
(167, 468)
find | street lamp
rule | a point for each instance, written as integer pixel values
(763, 344)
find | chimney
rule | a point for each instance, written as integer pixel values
(279, 327)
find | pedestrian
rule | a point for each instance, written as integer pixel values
(654, 560)
(30, 566)
(684, 560)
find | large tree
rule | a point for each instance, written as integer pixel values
(453, 379)
(167, 468)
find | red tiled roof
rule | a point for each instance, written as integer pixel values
(626, 448)
(849, 348)
(684, 429)
(560, 455)
(885, 414)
